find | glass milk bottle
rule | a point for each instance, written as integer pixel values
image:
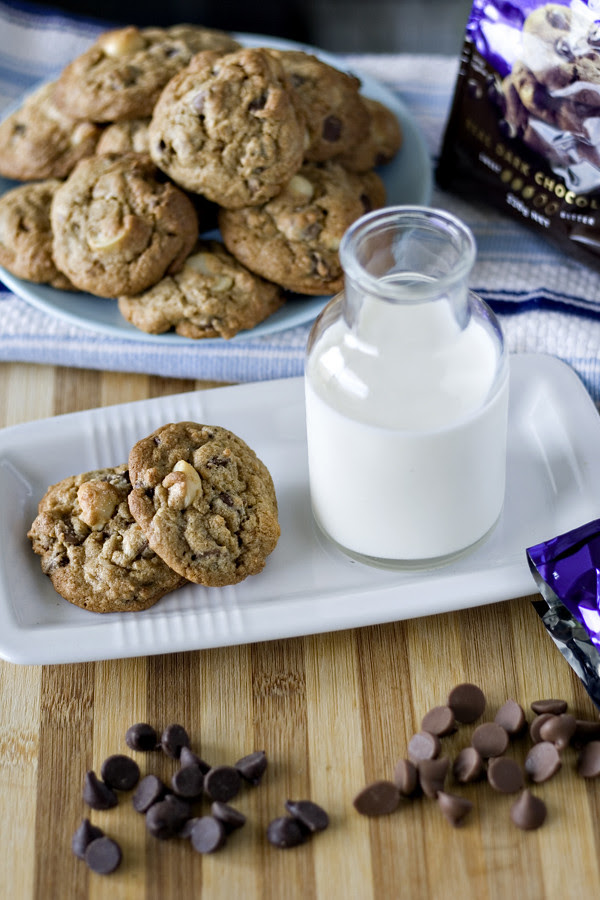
(406, 395)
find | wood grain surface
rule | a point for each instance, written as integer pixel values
(333, 712)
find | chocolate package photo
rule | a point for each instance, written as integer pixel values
(523, 133)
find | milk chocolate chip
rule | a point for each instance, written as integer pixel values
(467, 701)
(406, 777)
(423, 746)
(528, 812)
(377, 799)
(542, 762)
(588, 764)
(556, 707)
(468, 765)
(558, 730)
(432, 775)
(511, 716)
(439, 721)
(490, 739)
(453, 807)
(505, 775)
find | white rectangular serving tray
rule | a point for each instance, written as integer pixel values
(307, 586)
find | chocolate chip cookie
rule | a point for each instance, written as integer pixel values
(26, 234)
(228, 127)
(92, 549)
(335, 115)
(128, 136)
(205, 502)
(123, 73)
(212, 296)
(293, 240)
(40, 141)
(119, 226)
(380, 143)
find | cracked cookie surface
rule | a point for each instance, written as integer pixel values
(205, 502)
(293, 240)
(119, 225)
(212, 296)
(92, 549)
(228, 127)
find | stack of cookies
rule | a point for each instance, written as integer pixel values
(193, 503)
(155, 136)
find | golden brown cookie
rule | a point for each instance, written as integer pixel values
(293, 240)
(92, 549)
(119, 227)
(128, 136)
(122, 74)
(205, 502)
(228, 127)
(379, 144)
(26, 234)
(212, 296)
(40, 141)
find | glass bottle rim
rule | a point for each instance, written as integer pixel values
(425, 217)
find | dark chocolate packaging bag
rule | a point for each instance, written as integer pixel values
(524, 128)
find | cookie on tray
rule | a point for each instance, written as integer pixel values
(128, 136)
(212, 296)
(92, 549)
(335, 115)
(205, 502)
(119, 226)
(229, 128)
(26, 234)
(122, 74)
(39, 141)
(293, 240)
(380, 143)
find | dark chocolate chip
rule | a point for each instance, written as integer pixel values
(150, 790)
(222, 783)
(167, 817)
(310, 814)
(432, 775)
(467, 701)
(332, 129)
(286, 832)
(120, 772)
(559, 730)
(230, 817)
(186, 829)
(542, 762)
(588, 764)
(454, 808)
(103, 855)
(528, 812)
(258, 102)
(468, 765)
(505, 775)
(252, 767)
(187, 757)
(423, 746)
(142, 736)
(85, 834)
(174, 737)
(556, 707)
(534, 728)
(439, 721)
(490, 739)
(406, 777)
(377, 799)
(511, 716)
(96, 794)
(208, 835)
(188, 782)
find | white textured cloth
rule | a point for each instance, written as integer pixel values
(545, 301)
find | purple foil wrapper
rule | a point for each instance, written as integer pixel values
(566, 570)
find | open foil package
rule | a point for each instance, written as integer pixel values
(524, 128)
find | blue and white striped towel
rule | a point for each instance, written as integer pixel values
(546, 302)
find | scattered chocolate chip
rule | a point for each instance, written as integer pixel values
(310, 814)
(542, 762)
(377, 799)
(588, 764)
(142, 736)
(467, 701)
(406, 777)
(511, 716)
(534, 728)
(490, 739)
(85, 834)
(253, 766)
(166, 818)
(174, 737)
(187, 757)
(186, 829)
(120, 772)
(150, 790)
(188, 782)
(208, 835)
(285, 832)
(468, 765)
(439, 721)
(103, 855)
(432, 775)
(528, 812)
(453, 807)
(558, 730)
(222, 783)
(423, 746)
(229, 817)
(96, 794)
(556, 707)
(585, 730)
(505, 775)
